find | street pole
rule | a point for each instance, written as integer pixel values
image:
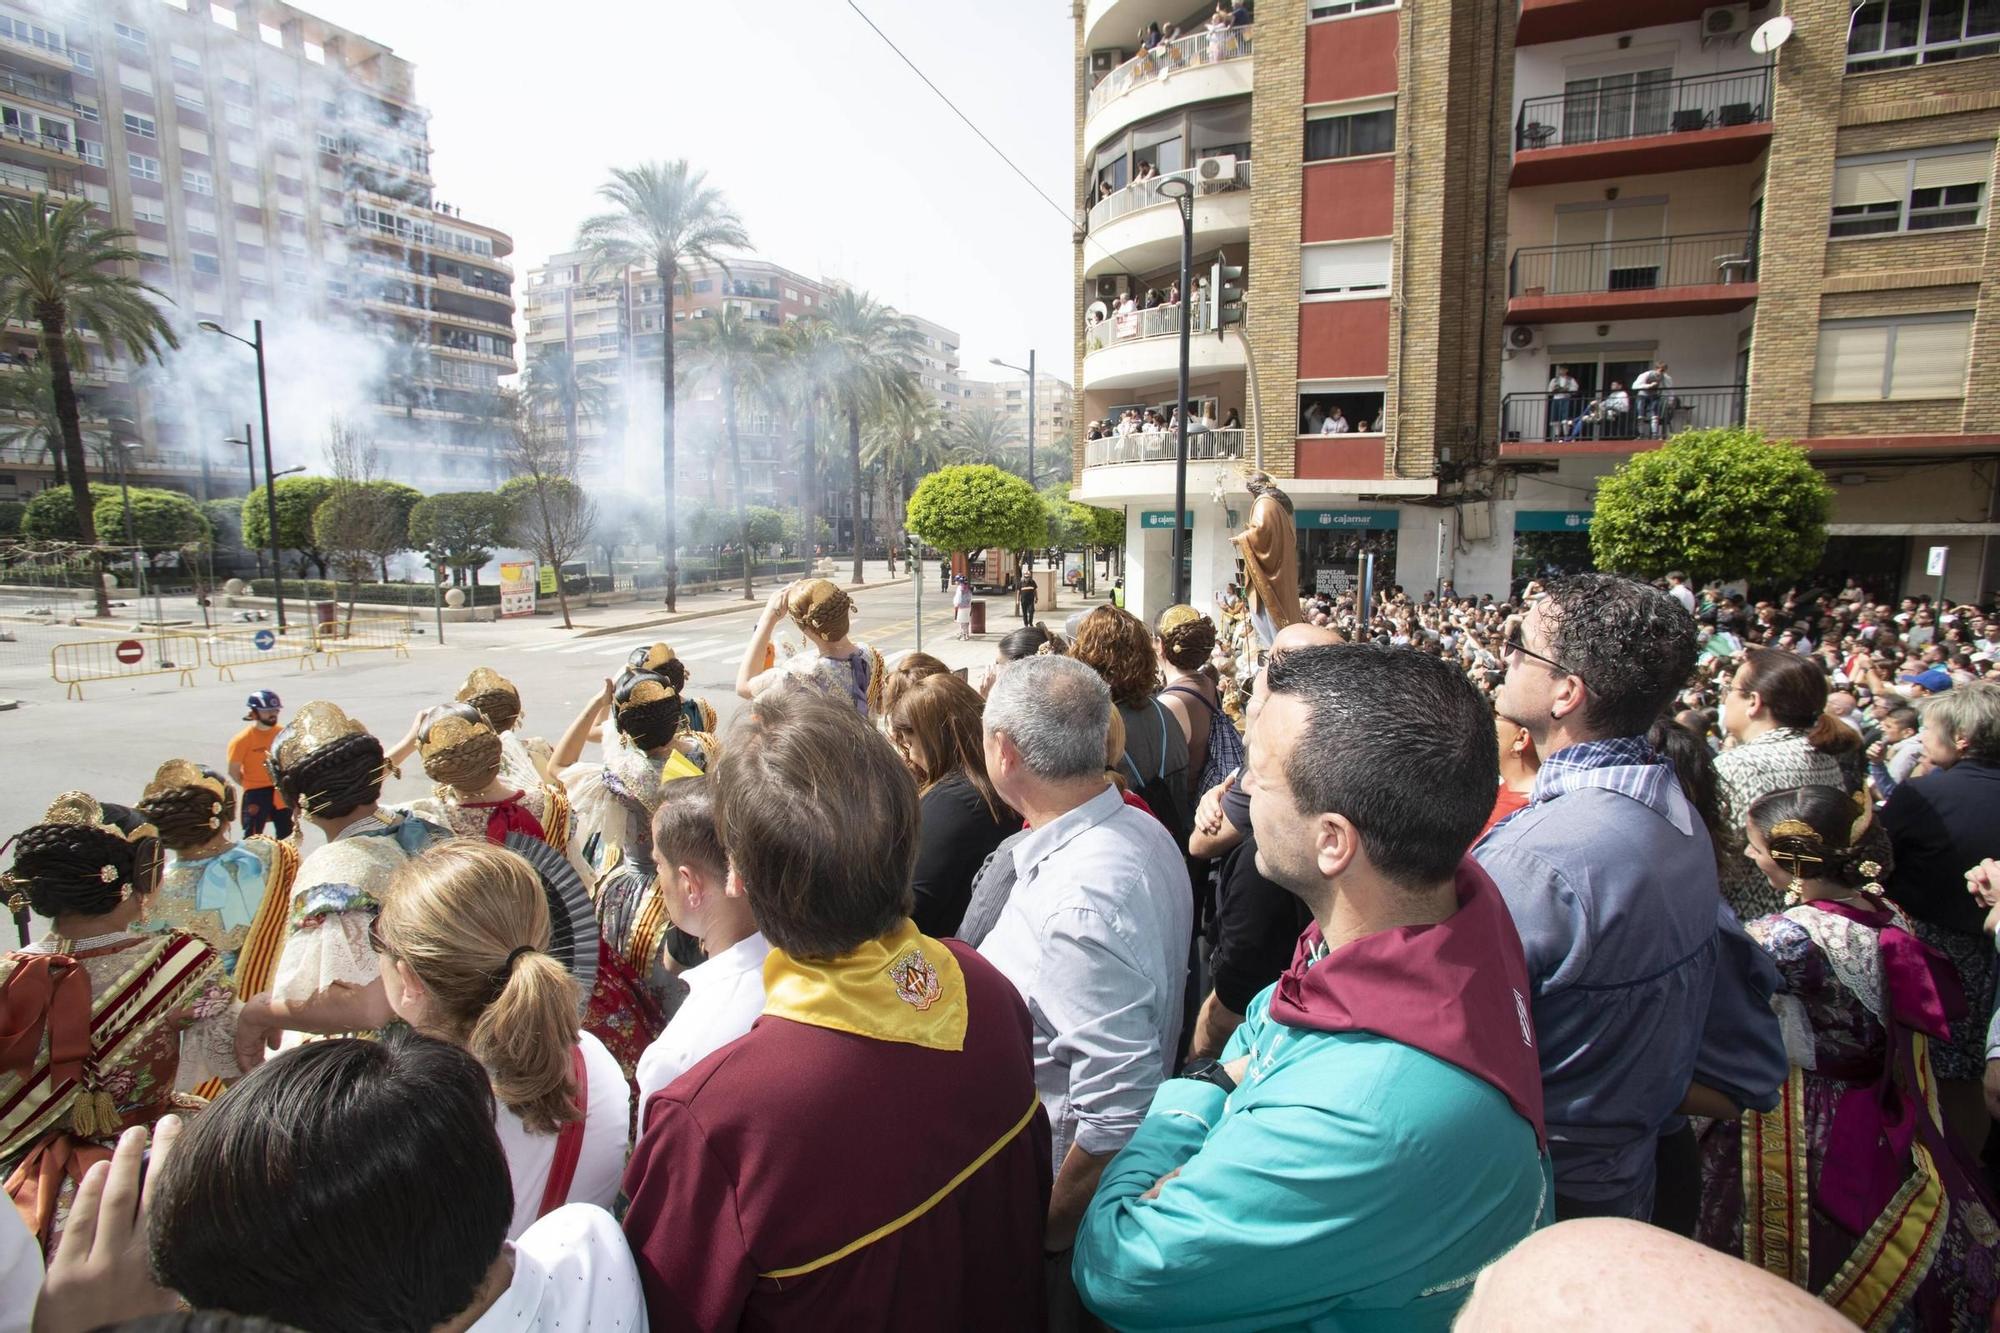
(917, 582)
(1184, 196)
(437, 589)
(131, 542)
(1031, 418)
(270, 475)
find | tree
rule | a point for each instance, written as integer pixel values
(766, 526)
(10, 517)
(161, 520)
(559, 386)
(663, 215)
(907, 441)
(805, 362)
(985, 436)
(973, 506)
(66, 274)
(874, 351)
(28, 395)
(461, 528)
(358, 524)
(298, 497)
(397, 502)
(548, 512)
(1716, 504)
(51, 515)
(729, 351)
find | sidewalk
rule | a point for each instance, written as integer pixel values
(594, 621)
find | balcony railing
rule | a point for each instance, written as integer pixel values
(1204, 446)
(1162, 321)
(13, 178)
(1696, 260)
(1146, 194)
(1634, 110)
(34, 89)
(1166, 60)
(53, 143)
(1598, 416)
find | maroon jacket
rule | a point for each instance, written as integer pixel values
(911, 1184)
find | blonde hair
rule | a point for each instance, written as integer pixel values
(458, 914)
(820, 606)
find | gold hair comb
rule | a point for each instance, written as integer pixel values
(178, 773)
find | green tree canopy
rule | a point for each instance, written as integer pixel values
(298, 497)
(1107, 528)
(468, 526)
(51, 516)
(1715, 504)
(10, 517)
(765, 525)
(972, 506)
(160, 519)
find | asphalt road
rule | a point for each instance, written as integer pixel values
(110, 743)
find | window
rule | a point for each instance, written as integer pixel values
(145, 168)
(328, 143)
(87, 111)
(93, 153)
(1907, 356)
(200, 222)
(138, 80)
(148, 210)
(189, 100)
(1351, 268)
(126, 32)
(1354, 135)
(28, 34)
(202, 263)
(1943, 187)
(1889, 34)
(1333, 9)
(704, 285)
(198, 182)
(223, 14)
(140, 125)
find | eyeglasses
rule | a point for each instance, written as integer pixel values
(1514, 645)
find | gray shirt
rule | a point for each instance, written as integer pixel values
(1095, 935)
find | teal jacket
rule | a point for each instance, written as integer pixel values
(1350, 1182)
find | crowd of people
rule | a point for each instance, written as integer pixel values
(1135, 980)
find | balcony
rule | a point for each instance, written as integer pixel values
(1144, 347)
(1204, 446)
(1196, 68)
(35, 90)
(14, 181)
(1564, 20)
(1706, 120)
(46, 48)
(1138, 229)
(46, 143)
(1701, 274)
(1538, 423)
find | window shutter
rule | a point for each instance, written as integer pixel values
(1930, 360)
(1850, 364)
(1955, 169)
(1869, 183)
(1337, 268)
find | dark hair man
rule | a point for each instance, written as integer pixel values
(874, 1146)
(1387, 1080)
(1644, 982)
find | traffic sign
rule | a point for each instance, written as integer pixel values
(1934, 565)
(130, 651)
(264, 640)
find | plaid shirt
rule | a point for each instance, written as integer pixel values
(1628, 765)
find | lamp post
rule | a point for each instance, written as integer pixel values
(249, 444)
(125, 503)
(256, 344)
(1181, 191)
(1029, 371)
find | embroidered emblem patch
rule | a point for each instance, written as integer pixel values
(916, 981)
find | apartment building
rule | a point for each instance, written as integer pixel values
(1450, 201)
(1008, 399)
(274, 166)
(937, 365)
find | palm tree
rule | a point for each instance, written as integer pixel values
(728, 350)
(988, 437)
(66, 274)
(875, 350)
(663, 215)
(558, 384)
(28, 396)
(804, 364)
(911, 439)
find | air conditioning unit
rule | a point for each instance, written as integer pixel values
(1521, 338)
(1103, 62)
(1216, 173)
(1725, 21)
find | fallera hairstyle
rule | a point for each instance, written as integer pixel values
(460, 748)
(1187, 637)
(335, 780)
(936, 721)
(646, 709)
(820, 607)
(684, 827)
(1117, 645)
(1631, 644)
(83, 859)
(1791, 688)
(188, 803)
(1399, 743)
(1694, 764)
(909, 669)
(496, 698)
(456, 914)
(1029, 640)
(1056, 711)
(307, 1164)
(1817, 837)
(1970, 713)
(819, 818)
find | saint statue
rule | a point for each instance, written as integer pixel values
(1270, 550)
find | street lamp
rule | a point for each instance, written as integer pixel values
(120, 447)
(256, 344)
(1181, 190)
(1029, 371)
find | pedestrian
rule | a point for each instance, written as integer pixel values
(1094, 930)
(830, 660)
(1775, 709)
(961, 607)
(812, 1200)
(1562, 402)
(1029, 592)
(1645, 986)
(1269, 1189)
(934, 725)
(249, 763)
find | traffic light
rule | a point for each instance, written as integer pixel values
(1225, 295)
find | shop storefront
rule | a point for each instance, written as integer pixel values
(1334, 544)
(1549, 543)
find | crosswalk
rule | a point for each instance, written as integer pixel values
(723, 647)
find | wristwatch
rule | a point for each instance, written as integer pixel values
(1210, 1071)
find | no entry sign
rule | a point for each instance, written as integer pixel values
(130, 651)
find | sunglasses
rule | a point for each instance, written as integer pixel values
(1514, 645)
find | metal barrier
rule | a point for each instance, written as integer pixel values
(363, 634)
(161, 654)
(229, 649)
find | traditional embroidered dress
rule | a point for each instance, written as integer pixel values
(857, 677)
(632, 919)
(521, 759)
(236, 902)
(614, 803)
(799, 1137)
(99, 1035)
(1852, 1189)
(335, 898)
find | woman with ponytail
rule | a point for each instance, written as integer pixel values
(1851, 1188)
(463, 946)
(102, 1027)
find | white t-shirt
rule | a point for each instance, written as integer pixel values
(572, 1270)
(1683, 594)
(725, 995)
(606, 1141)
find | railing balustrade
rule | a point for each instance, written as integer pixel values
(1168, 59)
(1634, 110)
(1695, 260)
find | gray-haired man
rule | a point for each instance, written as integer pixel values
(1094, 930)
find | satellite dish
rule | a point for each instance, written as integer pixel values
(1770, 35)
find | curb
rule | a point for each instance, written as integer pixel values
(708, 613)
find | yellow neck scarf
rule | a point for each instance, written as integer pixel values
(903, 987)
